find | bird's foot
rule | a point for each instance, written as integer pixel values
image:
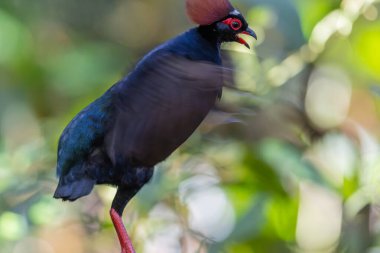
(125, 242)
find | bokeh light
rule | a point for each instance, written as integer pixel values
(288, 162)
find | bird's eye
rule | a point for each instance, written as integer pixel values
(236, 24)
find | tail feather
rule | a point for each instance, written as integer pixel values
(74, 190)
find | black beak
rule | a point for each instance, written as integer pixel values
(250, 32)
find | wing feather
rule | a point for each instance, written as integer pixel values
(81, 135)
(146, 116)
(159, 106)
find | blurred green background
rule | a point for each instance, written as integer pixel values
(294, 166)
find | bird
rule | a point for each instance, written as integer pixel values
(141, 120)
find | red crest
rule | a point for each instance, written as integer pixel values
(206, 12)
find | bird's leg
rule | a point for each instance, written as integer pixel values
(125, 242)
(123, 195)
(134, 181)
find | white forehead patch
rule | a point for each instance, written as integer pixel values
(235, 12)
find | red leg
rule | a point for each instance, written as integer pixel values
(125, 242)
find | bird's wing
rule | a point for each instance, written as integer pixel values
(82, 134)
(160, 105)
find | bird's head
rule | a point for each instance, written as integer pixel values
(220, 18)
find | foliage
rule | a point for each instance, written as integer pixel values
(297, 170)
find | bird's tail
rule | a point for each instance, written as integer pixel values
(74, 190)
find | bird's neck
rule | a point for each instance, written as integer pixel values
(194, 44)
(209, 33)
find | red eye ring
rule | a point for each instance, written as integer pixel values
(234, 23)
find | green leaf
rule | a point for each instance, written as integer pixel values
(288, 161)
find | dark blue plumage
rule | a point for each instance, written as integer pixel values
(191, 45)
(83, 132)
(89, 134)
(141, 120)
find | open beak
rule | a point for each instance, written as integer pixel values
(249, 32)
